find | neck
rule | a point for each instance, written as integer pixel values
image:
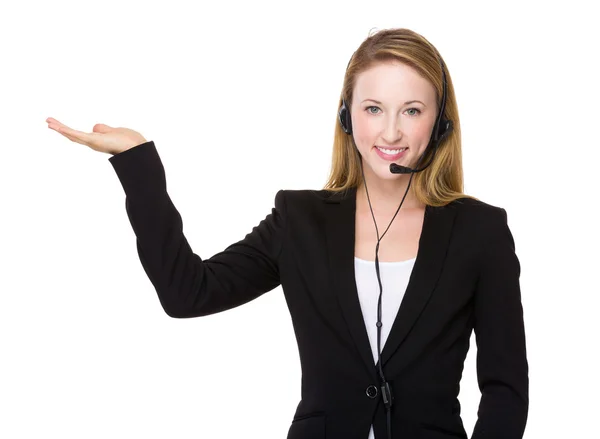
(386, 195)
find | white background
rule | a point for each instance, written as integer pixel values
(240, 99)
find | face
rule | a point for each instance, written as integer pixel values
(392, 107)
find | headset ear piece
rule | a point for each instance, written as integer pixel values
(344, 118)
(446, 127)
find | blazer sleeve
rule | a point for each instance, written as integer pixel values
(187, 285)
(502, 367)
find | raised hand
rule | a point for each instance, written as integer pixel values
(103, 138)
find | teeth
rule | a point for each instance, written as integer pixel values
(391, 151)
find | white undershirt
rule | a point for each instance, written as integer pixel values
(394, 280)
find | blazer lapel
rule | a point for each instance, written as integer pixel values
(340, 217)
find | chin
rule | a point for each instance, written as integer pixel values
(382, 170)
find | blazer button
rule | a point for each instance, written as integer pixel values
(371, 391)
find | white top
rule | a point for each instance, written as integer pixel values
(394, 280)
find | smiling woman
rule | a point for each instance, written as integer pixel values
(448, 264)
(398, 109)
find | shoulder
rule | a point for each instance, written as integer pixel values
(478, 219)
(303, 197)
(477, 209)
(309, 205)
(307, 194)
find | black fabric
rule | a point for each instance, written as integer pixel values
(465, 278)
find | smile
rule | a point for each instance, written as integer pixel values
(390, 154)
(391, 151)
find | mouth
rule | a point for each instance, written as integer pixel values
(390, 153)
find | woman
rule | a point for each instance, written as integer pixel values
(448, 263)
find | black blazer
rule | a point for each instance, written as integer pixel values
(465, 277)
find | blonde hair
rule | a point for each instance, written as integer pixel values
(442, 181)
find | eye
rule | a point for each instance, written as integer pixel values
(368, 110)
(372, 106)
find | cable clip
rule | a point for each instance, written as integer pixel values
(386, 394)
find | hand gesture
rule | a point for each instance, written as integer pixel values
(103, 138)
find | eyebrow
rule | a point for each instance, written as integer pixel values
(406, 103)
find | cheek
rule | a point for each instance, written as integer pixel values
(423, 131)
(364, 129)
(417, 133)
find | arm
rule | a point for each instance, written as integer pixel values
(502, 367)
(188, 286)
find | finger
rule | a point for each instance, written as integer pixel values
(54, 121)
(85, 138)
(56, 128)
(61, 130)
(73, 139)
(55, 124)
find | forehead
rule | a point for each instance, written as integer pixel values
(392, 81)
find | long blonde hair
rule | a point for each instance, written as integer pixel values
(442, 181)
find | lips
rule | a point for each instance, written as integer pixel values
(390, 157)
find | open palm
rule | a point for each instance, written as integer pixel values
(103, 138)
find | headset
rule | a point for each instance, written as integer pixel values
(441, 130)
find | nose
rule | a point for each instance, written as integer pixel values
(392, 132)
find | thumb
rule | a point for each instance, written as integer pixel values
(102, 128)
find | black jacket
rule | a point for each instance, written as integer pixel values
(465, 277)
